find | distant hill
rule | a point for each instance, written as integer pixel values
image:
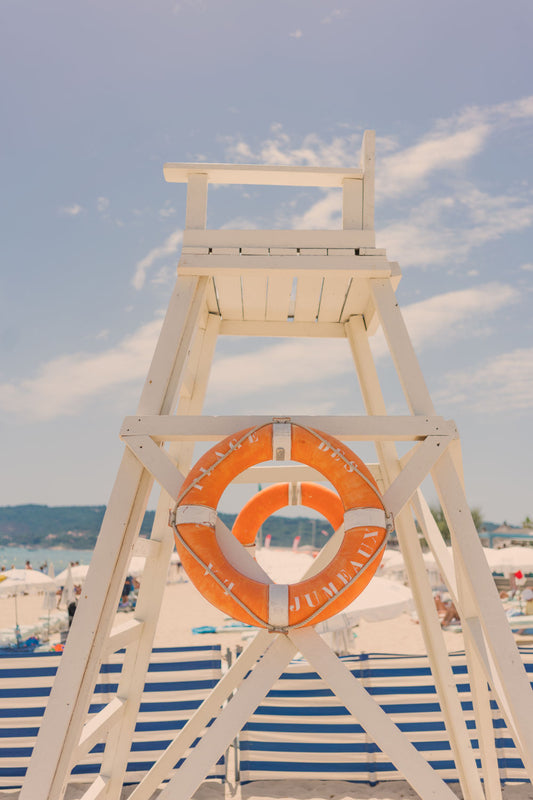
(77, 527)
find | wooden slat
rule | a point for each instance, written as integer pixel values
(278, 238)
(229, 296)
(333, 298)
(254, 296)
(320, 330)
(356, 298)
(278, 297)
(308, 290)
(352, 204)
(260, 174)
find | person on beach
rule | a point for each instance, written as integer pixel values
(71, 611)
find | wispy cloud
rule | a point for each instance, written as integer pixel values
(72, 211)
(297, 34)
(448, 316)
(501, 384)
(449, 227)
(169, 246)
(451, 316)
(102, 204)
(62, 385)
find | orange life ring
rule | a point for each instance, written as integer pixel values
(269, 605)
(279, 495)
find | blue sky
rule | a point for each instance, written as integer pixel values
(98, 96)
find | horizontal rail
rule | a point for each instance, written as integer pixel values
(261, 174)
(282, 238)
(349, 428)
(364, 266)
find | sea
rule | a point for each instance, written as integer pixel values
(42, 557)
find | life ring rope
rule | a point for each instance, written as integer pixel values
(206, 515)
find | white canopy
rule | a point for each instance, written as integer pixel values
(24, 581)
(382, 599)
(78, 573)
(510, 559)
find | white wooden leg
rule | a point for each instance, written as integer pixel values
(69, 700)
(418, 581)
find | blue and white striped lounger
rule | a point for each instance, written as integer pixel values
(178, 680)
(300, 730)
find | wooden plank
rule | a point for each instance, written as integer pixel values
(334, 295)
(401, 349)
(96, 729)
(271, 327)
(278, 297)
(348, 428)
(356, 298)
(123, 635)
(229, 295)
(289, 473)
(297, 265)
(406, 483)
(196, 210)
(157, 462)
(308, 291)
(254, 297)
(514, 690)
(352, 204)
(418, 580)
(260, 174)
(70, 696)
(278, 238)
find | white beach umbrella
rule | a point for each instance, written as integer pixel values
(136, 566)
(15, 582)
(382, 599)
(78, 574)
(67, 582)
(50, 601)
(510, 559)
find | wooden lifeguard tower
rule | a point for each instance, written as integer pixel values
(285, 283)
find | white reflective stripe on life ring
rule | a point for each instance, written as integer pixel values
(364, 517)
(295, 494)
(196, 515)
(281, 441)
(278, 605)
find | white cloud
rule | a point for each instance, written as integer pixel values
(297, 34)
(527, 267)
(102, 204)
(503, 383)
(441, 318)
(73, 210)
(405, 171)
(169, 246)
(167, 212)
(325, 213)
(450, 316)
(62, 385)
(449, 227)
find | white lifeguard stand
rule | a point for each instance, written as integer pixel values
(288, 283)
